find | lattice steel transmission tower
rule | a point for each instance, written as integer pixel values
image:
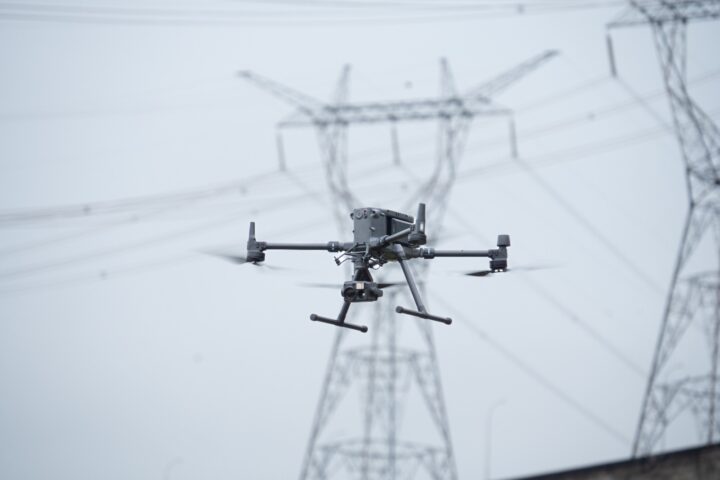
(694, 295)
(383, 369)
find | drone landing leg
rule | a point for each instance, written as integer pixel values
(421, 311)
(340, 321)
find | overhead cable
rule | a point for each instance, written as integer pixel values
(285, 13)
(533, 373)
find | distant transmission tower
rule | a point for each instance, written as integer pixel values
(383, 369)
(694, 294)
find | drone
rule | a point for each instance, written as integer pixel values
(381, 236)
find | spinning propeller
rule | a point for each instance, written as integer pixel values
(486, 273)
(242, 260)
(335, 285)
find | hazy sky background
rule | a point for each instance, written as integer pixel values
(125, 353)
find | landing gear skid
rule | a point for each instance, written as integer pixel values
(425, 315)
(340, 321)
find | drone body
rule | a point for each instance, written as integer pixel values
(380, 236)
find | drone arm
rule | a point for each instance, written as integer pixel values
(329, 246)
(429, 253)
(255, 249)
(498, 256)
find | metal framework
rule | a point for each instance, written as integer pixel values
(694, 295)
(383, 369)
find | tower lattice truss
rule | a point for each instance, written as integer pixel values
(684, 377)
(387, 372)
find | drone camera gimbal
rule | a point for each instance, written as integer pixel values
(380, 236)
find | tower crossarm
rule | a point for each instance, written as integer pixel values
(410, 110)
(502, 81)
(660, 11)
(475, 102)
(304, 103)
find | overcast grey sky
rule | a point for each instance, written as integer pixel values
(125, 353)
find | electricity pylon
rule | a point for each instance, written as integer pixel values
(694, 295)
(384, 369)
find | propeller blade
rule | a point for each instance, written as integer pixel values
(240, 260)
(274, 268)
(530, 268)
(522, 268)
(338, 285)
(321, 285)
(235, 259)
(479, 273)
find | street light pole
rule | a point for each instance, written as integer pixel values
(488, 435)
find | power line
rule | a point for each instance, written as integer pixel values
(556, 157)
(84, 257)
(576, 319)
(107, 274)
(53, 241)
(567, 312)
(589, 227)
(87, 209)
(280, 203)
(574, 153)
(569, 121)
(94, 208)
(637, 100)
(305, 13)
(186, 196)
(586, 327)
(84, 210)
(101, 275)
(534, 373)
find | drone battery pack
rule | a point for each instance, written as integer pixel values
(378, 222)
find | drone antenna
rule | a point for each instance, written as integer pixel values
(254, 251)
(417, 236)
(420, 222)
(251, 235)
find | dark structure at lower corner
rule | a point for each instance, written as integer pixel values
(698, 463)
